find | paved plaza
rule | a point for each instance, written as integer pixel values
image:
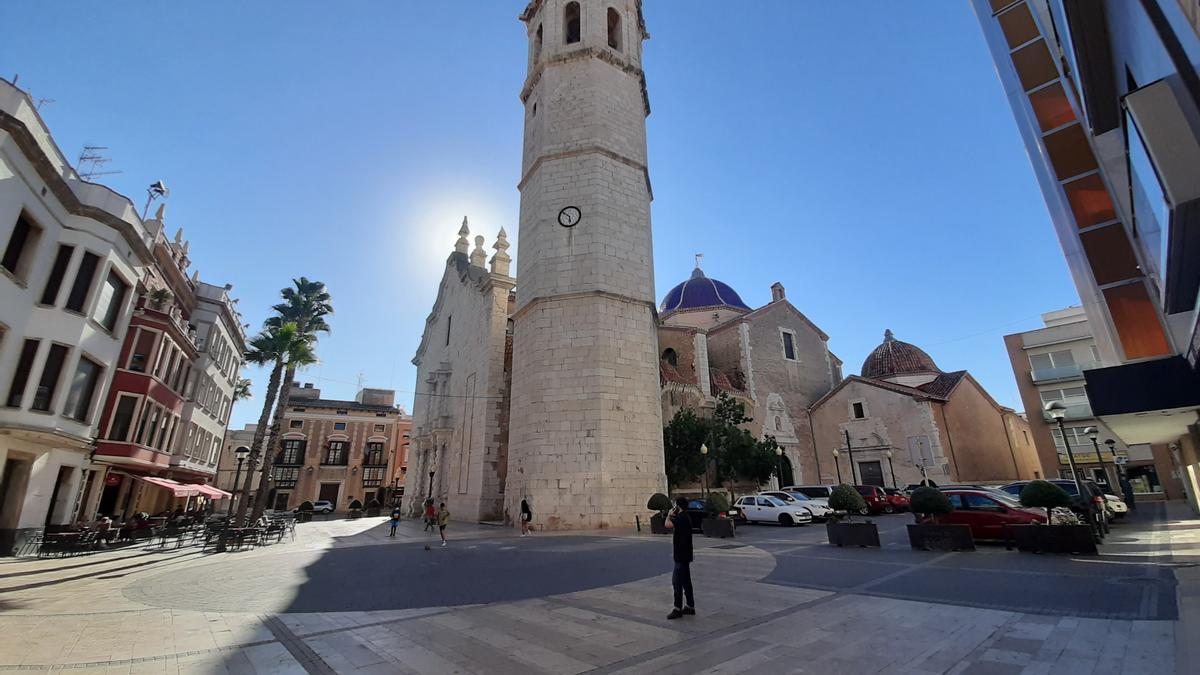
(344, 597)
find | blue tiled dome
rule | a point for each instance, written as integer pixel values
(698, 292)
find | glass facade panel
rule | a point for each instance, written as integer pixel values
(1070, 152)
(1136, 320)
(1151, 212)
(1090, 201)
(1109, 254)
(1018, 26)
(1034, 65)
(1051, 107)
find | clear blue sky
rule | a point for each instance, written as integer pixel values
(865, 158)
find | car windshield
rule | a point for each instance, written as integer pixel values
(799, 496)
(696, 504)
(813, 492)
(772, 500)
(1004, 498)
(782, 496)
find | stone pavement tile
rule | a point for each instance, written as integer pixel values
(1006, 656)
(487, 635)
(351, 651)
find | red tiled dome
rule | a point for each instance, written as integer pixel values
(894, 357)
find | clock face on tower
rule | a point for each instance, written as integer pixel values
(569, 216)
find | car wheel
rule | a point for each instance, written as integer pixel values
(864, 511)
(786, 520)
(889, 509)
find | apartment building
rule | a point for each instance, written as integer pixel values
(73, 252)
(335, 450)
(1049, 364)
(1106, 96)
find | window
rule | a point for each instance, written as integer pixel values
(22, 244)
(449, 319)
(335, 453)
(670, 357)
(149, 413)
(778, 423)
(378, 427)
(43, 396)
(83, 389)
(122, 419)
(860, 410)
(342, 412)
(339, 426)
(286, 476)
(293, 451)
(571, 22)
(982, 503)
(57, 271)
(537, 44)
(141, 351)
(295, 424)
(381, 414)
(614, 29)
(112, 299)
(16, 391)
(1025, 435)
(1059, 359)
(373, 455)
(83, 281)
(299, 409)
(373, 476)
(789, 346)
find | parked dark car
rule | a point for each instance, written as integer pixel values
(989, 514)
(897, 499)
(876, 499)
(697, 511)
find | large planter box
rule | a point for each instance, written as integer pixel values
(373, 513)
(722, 528)
(1073, 539)
(933, 537)
(853, 534)
(303, 516)
(658, 524)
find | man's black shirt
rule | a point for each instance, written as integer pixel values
(681, 537)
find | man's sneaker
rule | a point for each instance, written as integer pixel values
(675, 614)
(689, 610)
(443, 543)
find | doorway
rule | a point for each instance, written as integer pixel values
(12, 491)
(786, 476)
(281, 501)
(871, 473)
(329, 493)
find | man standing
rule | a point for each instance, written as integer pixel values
(681, 541)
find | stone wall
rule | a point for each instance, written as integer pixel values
(977, 429)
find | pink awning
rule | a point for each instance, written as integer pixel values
(211, 492)
(177, 489)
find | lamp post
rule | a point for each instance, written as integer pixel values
(778, 468)
(1058, 411)
(1093, 434)
(891, 469)
(1122, 475)
(430, 495)
(241, 453)
(838, 464)
(704, 476)
(850, 452)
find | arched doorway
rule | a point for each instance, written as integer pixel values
(785, 471)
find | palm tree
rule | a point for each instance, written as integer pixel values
(306, 304)
(241, 389)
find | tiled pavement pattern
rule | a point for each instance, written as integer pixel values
(49, 617)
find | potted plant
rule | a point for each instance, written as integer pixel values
(373, 508)
(927, 534)
(355, 508)
(661, 504)
(1063, 533)
(842, 531)
(717, 523)
(159, 297)
(304, 512)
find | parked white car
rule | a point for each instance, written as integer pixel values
(819, 508)
(1116, 506)
(768, 509)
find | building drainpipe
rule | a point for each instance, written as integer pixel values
(813, 435)
(950, 444)
(1011, 452)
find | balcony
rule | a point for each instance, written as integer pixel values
(1071, 372)
(1074, 411)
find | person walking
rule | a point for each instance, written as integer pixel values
(443, 519)
(430, 515)
(395, 521)
(526, 518)
(681, 543)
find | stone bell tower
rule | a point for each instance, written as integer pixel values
(585, 439)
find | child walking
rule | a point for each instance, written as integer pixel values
(395, 520)
(429, 515)
(443, 519)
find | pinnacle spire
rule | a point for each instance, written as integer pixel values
(462, 245)
(888, 336)
(501, 260)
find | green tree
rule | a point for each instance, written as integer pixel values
(305, 305)
(682, 438)
(733, 452)
(241, 389)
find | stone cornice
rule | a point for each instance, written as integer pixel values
(586, 150)
(604, 55)
(62, 190)
(585, 294)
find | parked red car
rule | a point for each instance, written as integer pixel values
(989, 513)
(896, 499)
(876, 499)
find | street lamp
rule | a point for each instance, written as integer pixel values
(1093, 434)
(779, 467)
(850, 452)
(704, 476)
(891, 469)
(838, 464)
(241, 453)
(1057, 412)
(431, 484)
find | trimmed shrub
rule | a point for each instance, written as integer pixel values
(306, 506)
(1045, 495)
(659, 502)
(845, 498)
(930, 501)
(717, 502)
(355, 505)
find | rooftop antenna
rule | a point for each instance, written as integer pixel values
(91, 162)
(156, 190)
(698, 257)
(42, 101)
(362, 379)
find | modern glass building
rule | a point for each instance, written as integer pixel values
(1107, 99)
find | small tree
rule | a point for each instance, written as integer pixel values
(845, 498)
(1045, 495)
(930, 502)
(659, 502)
(717, 503)
(306, 506)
